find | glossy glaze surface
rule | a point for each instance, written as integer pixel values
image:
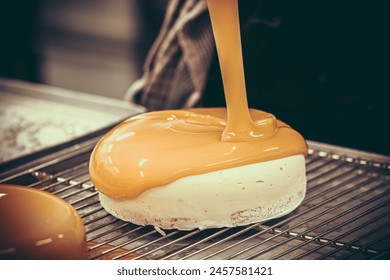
(37, 225)
(156, 148)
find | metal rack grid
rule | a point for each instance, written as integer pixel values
(345, 215)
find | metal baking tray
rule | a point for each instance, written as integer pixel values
(34, 117)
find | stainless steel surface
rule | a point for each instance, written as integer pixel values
(345, 215)
(34, 117)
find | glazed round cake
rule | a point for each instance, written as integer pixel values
(170, 170)
(204, 167)
(36, 225)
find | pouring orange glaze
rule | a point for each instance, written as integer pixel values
(157, 148)
(240, 126)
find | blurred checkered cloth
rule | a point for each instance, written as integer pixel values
(175, 70)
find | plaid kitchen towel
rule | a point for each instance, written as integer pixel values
(176, 67)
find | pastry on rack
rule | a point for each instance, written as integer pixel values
(170, 169)
(203, 168)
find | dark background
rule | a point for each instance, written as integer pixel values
(321, 66)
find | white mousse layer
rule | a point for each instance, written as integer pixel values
(226, 198)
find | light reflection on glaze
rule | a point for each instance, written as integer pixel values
(156, 148)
